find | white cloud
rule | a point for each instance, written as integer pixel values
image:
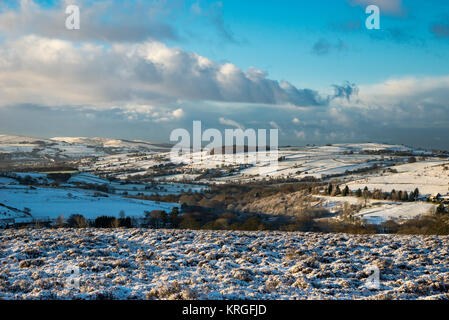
(149, 113)
(408, 88)
(57, 72)
(409, 101)
(301, 135)
(274, 125)
(137, 22)
(232, 123)
(178, 113)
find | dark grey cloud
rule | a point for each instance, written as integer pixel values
(303, 97)
(441, 29)
(33, 120)
(393, 8)
(317, 127)
(397, 111)
(346, 90)
(399, 33)
(324, 46)
(216, 15)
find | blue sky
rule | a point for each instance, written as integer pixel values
(139, 69)
(278, 37)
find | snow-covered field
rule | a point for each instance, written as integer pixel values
(49, 203)
(301, 163)
(126, 159)
(169, 264)
(378, 211)
(315, 161)
(135, 188)
(138, 168)
(430, 177)
(398, 211)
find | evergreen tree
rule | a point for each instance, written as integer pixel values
(393, 195)
(337, 191)
(173, 217)
(440, 209)
(329, 189)
(404, 196)
(416, 194)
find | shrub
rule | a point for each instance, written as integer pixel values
(189, 223)
(77, 221)
(435, 224)
(156, 218)
(412, 159)
(104, 222)
(252, 224)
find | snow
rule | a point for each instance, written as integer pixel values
(301, 162)
(316, 162)
(177, 177)
(378, 211)
(396, 211)
(72, 147)
(125, 159)
(430, 177)
(11, 148)
(5, 180)
(49, 203)
(177, 264)
(112, 143)
(87, 178)
(136, 188)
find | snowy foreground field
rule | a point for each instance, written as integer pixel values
(173, 264)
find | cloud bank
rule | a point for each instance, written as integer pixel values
(104, 82)
(145, 72)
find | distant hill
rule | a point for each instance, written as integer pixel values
(67, 148)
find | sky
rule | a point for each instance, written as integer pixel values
(139, 69)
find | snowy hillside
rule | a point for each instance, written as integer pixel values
(29, 148)
(431, 177)
(137, 168)
(118, 144)
(168, 264)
